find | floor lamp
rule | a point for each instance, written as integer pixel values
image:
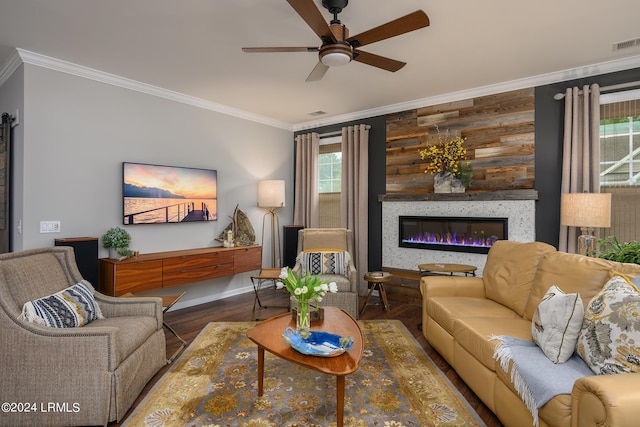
(587, 211)
(271, 197)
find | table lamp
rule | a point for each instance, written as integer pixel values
(271, 196)
(587, 211)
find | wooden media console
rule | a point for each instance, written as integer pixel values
(172, 268)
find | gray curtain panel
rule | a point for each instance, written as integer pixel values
(581, 151)
(305, 209)
(354, 214)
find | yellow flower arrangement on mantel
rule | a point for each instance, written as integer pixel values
(446, 158)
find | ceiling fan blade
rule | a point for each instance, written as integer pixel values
(317, 73)
(279, 49)
(407, 23)
(313, 17)
(378, 61)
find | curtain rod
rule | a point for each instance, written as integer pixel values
(559, 96)
(328, 134)
(337, 132)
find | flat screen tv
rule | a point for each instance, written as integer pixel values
(156, 194)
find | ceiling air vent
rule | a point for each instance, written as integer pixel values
(626, 44)
(317, 113)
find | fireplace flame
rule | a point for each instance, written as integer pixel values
(479, 240)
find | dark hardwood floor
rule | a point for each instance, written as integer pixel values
(189, 322)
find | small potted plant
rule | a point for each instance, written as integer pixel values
(620, 252)
(117, 241)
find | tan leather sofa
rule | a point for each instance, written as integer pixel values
(460, 314)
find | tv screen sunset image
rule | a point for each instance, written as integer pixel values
(168, 194)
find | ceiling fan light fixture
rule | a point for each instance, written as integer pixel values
(335, 59)
(336, 54)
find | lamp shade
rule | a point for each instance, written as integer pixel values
(271, 193)
(586, 210)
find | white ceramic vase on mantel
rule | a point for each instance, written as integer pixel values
(457, 186)
(442, 182)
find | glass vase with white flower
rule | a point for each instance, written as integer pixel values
(305, 289)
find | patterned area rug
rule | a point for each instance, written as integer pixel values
(214, 384)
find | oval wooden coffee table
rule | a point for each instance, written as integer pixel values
(268, 336)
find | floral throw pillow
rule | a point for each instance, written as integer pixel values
(556, 324)
(609, 341)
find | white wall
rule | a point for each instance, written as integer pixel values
(77, 133)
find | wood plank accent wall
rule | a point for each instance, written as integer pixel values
(499, 132)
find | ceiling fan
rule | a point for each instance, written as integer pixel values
(337, 47)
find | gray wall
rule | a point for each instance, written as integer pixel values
(76, 134)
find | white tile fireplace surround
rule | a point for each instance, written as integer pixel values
(521, 228)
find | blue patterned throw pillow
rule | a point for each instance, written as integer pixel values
(72, 307)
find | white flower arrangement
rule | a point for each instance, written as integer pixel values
(305, 288)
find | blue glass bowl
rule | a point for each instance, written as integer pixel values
(319, 343)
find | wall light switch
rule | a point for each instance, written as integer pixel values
(49, 226)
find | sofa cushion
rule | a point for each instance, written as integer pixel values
(571, 273)
(556, 412)
(556, 324)
(72, 307)
(610, 334)
(510, 270)
(324, 262)
(445, 310)
(343, 283)
(132, 332)
(473, 334)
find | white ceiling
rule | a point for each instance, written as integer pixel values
(193, 47)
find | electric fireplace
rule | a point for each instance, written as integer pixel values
(475, 235)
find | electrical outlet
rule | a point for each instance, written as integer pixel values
(49, 226)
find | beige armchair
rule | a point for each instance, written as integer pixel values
(330, 239)
(92, 373)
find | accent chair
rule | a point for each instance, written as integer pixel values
(327, 251)
(93, 372)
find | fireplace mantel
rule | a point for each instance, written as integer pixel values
(461, 197)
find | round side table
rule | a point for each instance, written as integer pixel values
(376, 280)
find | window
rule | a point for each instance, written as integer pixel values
(620, 161)
(330, 172)
(330, 181)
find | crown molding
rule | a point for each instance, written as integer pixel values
(527, 82)
(24, 56)
(9, 67)
(112, 79)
